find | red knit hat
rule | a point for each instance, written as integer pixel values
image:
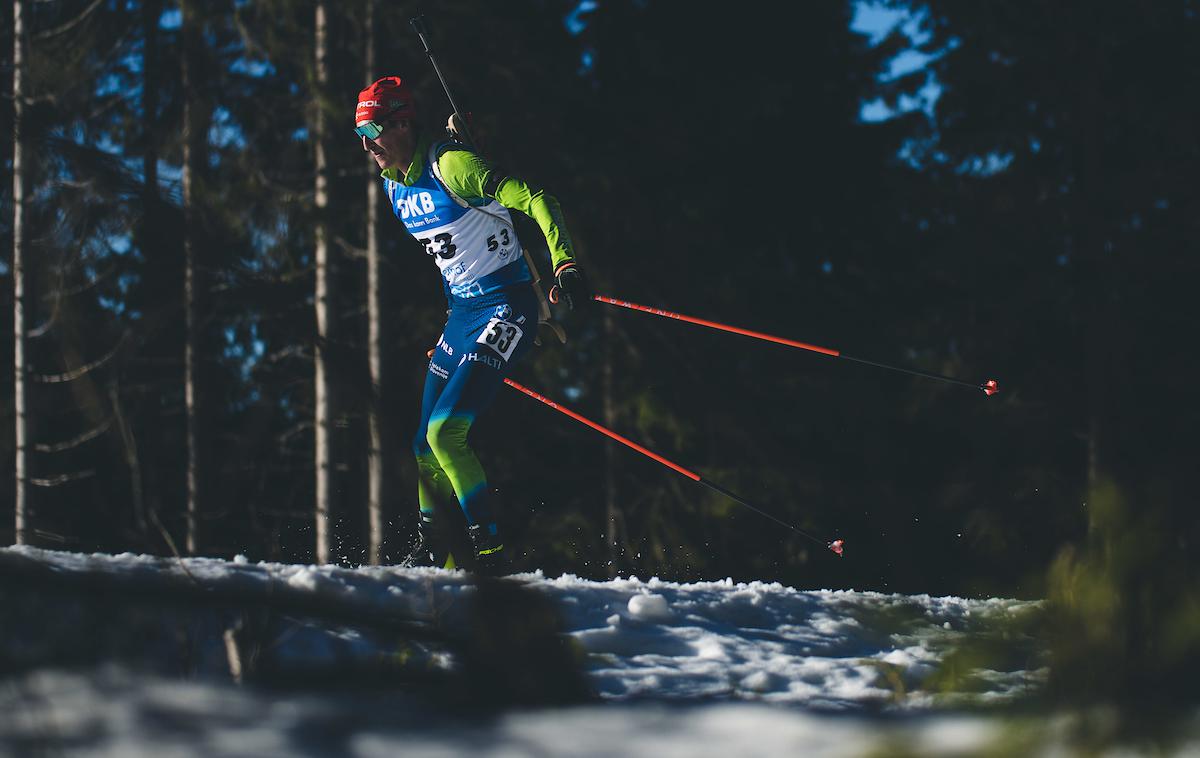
(386, 98)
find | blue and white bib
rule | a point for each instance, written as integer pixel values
(475, 247)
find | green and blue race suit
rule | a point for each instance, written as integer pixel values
(493, 310)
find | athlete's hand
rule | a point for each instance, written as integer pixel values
(571, 285)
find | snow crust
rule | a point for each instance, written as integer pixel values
(113, 713)
(706, 668)
(762, 641)
(765, 641)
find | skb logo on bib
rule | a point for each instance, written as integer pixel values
(416, 204)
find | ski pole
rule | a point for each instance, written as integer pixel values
(836, 545)
(418, 24)
(989, 387)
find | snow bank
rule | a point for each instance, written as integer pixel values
(113, 713)
(756, 641)
(701, 669)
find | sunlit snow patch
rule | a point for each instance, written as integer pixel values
(746, 641)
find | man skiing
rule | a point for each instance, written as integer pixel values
(457, 205)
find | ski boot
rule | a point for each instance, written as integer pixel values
(490, 559)
(424, 551)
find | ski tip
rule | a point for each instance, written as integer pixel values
(990, 387)
(836, 546)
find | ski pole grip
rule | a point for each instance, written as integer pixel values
(418, 25)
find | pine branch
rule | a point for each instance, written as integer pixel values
(43, 329)
(74, 442)
(350, 250)
(61, 479)
(84, 287)
(291, 351)
(68, 376)
(68, 26)
(257, 277)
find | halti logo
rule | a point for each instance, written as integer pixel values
(414, 205)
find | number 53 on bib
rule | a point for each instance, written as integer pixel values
(502, 336)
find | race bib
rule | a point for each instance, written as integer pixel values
(501, 336)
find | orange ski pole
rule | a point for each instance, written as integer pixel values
(836, 545)
(989, 387)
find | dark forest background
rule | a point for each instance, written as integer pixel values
(1036, 224)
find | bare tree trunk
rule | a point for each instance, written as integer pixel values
(375, 436)
(151, 12)
(20, 289)
(132, 460)
(151, 210)
(193, 135)
(323, 409)
(610, 420)
(1097, 263)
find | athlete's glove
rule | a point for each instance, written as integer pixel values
(571, 285)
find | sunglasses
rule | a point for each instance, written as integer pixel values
(372, 129)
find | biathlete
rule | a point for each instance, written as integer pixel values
(457, 205)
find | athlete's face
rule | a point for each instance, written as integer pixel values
(393, 148)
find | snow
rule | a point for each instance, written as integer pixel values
(746, 641)
(756, 641)
(768, 642)
(649, 608)
(116, 714)
(705, 668)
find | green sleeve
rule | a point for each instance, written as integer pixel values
(466, 174)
